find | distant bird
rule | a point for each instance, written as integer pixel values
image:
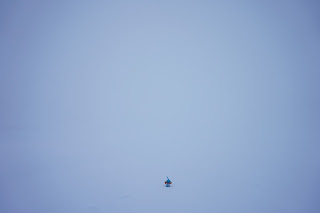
(168, 182)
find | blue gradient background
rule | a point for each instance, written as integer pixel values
(101, 100)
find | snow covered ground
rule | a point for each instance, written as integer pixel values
(100, 101)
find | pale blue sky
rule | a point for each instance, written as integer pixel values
(101, 100)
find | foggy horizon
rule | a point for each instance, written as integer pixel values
(101, 100)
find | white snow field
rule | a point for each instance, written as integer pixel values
(101, 100)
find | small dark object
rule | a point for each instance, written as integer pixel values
(168, 182)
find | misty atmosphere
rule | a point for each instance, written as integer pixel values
(101, 100)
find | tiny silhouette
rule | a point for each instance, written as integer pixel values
(168, 182)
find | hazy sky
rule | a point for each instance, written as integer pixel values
(101, 100)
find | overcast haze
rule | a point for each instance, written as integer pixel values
(101, 100)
